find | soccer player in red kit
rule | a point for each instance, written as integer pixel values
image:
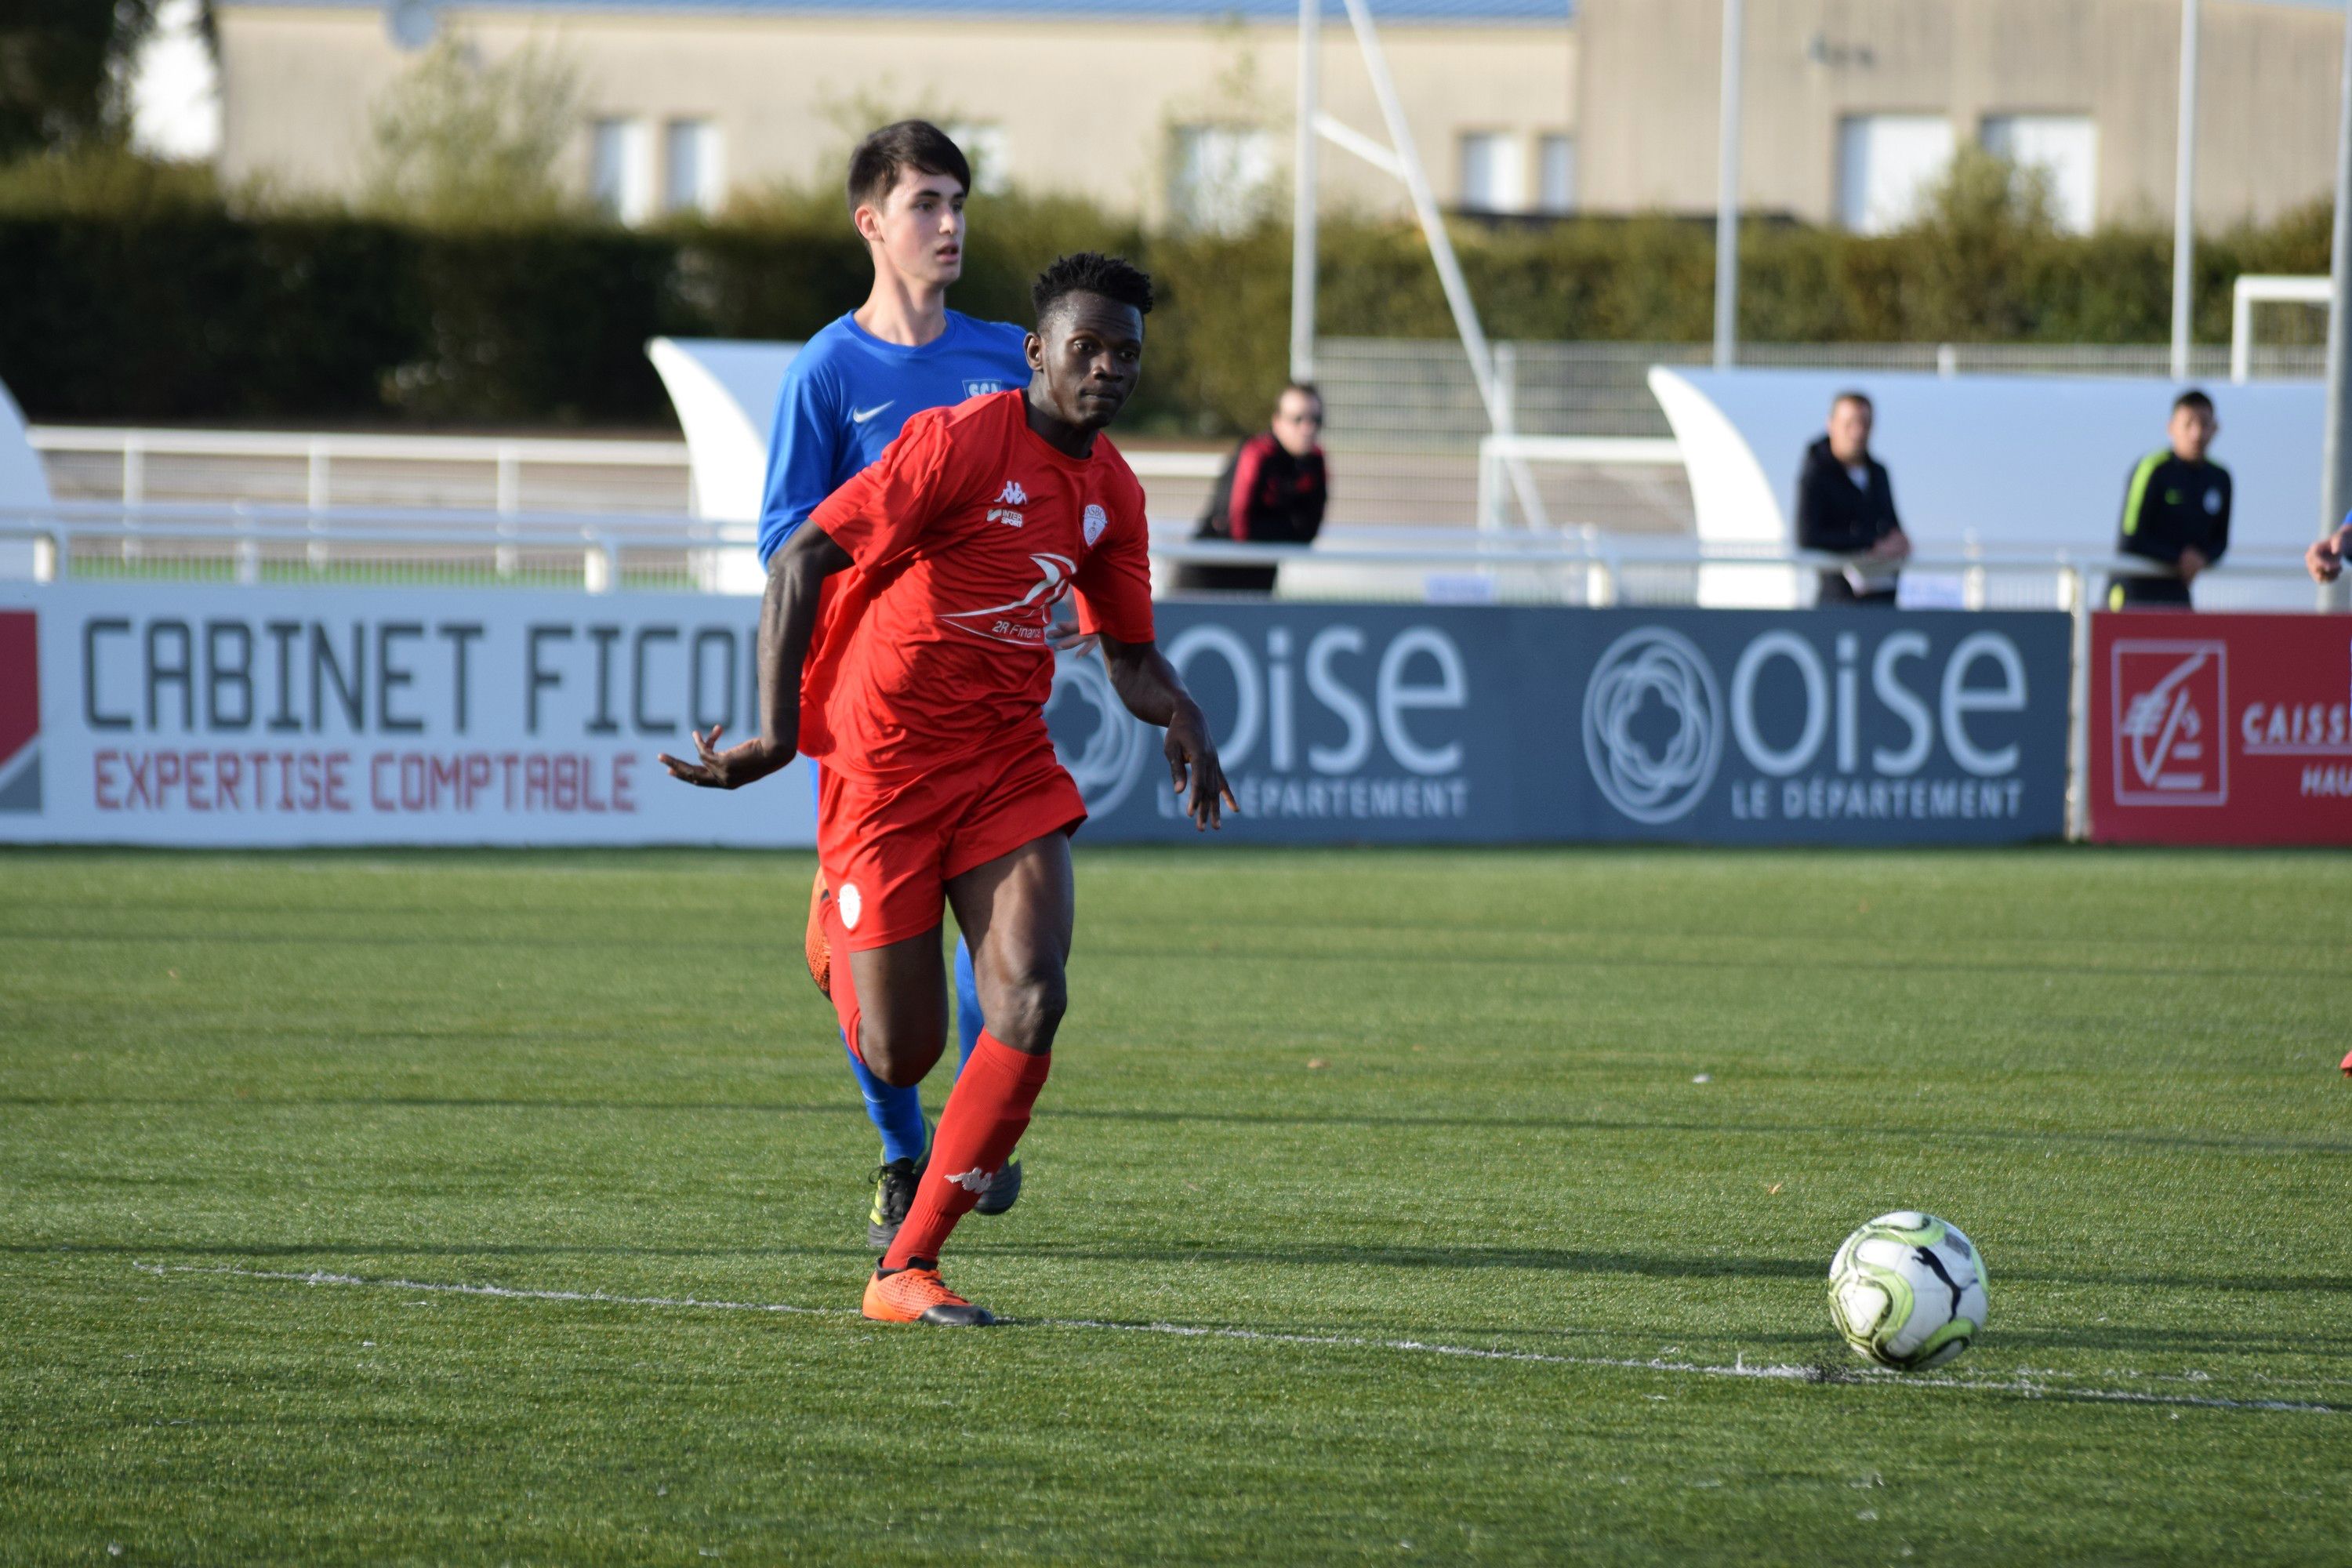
(906, 642)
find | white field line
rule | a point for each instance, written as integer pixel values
(1770, 1372)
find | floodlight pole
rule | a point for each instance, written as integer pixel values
(2336, 472)
(1440, 251)
(1726, 191)
(2184, 198)
(1304, 194)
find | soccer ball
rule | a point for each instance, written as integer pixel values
(1907, 1291)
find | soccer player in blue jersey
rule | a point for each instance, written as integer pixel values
(844, 397)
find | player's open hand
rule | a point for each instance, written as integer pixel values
(738, 765)
(1063, 637)
(2325, 559)
(1193, 766)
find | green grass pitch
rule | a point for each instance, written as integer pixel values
(1339, 1114)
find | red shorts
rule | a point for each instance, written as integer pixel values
(887, 850)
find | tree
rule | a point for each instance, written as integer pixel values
(62, 65)
(461, 142)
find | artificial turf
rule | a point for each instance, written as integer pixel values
(1588, 1108)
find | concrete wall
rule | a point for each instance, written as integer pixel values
(2266, 131)
(1086, 108)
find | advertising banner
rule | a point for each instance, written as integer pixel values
(2220, 728)
(1416, 724)
(198, 715)
(236, 716)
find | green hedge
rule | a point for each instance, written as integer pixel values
(188, 310)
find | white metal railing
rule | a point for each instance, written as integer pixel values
(1587, 565)
(1497, 452)
(508, 458)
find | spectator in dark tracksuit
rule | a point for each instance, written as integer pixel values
(1845, 505)
(1273, 491)
(2176, 510)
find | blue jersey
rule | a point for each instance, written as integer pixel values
(847, 393)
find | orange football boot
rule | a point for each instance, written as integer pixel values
(914, 1295)
(819, 948)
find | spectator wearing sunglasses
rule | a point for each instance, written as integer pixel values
(1273, 491)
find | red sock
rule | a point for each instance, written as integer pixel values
(986, 1113)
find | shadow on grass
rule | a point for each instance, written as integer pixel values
(1563, 1259)
(1568, 1260)
(2248, 1144)
(449, 933)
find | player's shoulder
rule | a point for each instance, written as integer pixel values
(975, 431)
(975, 418)
(999, 335)
(821, 359)
(830, 344)
(1116, 470)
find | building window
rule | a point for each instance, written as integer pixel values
(1886, 165)
(2064, 146)
(984, 149)
(621, 169)
(694, 177)
(1223, 178)
(1494, 172)
(1556, 174)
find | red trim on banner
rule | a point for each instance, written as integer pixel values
(2220, 728)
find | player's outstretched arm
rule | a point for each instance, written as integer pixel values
(1155, 693)
(787, 620)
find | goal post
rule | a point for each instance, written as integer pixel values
(2266, 289)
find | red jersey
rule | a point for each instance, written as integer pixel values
(967, 532)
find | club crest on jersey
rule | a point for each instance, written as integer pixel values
(1095, 521)
(1023, 622)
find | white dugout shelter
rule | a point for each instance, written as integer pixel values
(2021, 464)
(22, 484)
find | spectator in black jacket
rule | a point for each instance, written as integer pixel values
(1845, 505)
(1273, 491)
(2176, 509)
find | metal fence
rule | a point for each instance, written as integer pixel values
(1404, 417)
(602, 554)
(507, 475)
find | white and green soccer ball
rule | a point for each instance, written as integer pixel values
(1907, 1291)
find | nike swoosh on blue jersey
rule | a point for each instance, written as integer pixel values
(860, 415)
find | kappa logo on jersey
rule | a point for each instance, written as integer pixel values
(1013, 494)
(2172, 700)
(1095, 521)
(20, 711)
(1023, 622)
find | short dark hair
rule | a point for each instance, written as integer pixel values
(1861, 397)
(887, 153)
(2193, 399)
(1308, 387)
(1091, 272)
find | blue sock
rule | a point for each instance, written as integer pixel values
(969, 1022)
(897, 1113)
